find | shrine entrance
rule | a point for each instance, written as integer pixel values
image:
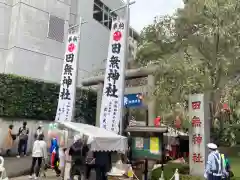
(135, 110)
(142, 110)
(139, 110)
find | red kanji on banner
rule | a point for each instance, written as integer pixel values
(196, 105)
(197, 139)
(71, 47)
(197, 158)
(196, 122)
(117, 36)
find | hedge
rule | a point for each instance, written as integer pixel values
(169, 170)
(21, 97)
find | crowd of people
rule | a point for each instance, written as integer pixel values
(83, 160)
(22, 135)
(54, 156)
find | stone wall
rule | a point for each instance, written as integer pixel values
(32, 125)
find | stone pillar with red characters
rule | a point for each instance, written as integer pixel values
(199, 133)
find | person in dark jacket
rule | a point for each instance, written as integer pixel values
(90, 164)
(103, 164)
(78, 152)
(129, 153)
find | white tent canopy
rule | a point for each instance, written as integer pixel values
(100, 139)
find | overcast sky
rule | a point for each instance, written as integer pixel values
(144, 11)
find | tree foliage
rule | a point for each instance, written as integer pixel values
(197, 49)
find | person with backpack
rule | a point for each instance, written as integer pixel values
(226, 165)
(23, 140)
(215, 169)
(78, 152)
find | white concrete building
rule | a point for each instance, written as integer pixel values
(32, 34)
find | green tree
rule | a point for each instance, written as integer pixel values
(197, 50)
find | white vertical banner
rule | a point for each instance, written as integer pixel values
(66, 101)
(113, 90)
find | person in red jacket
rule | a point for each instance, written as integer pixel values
(157, 121)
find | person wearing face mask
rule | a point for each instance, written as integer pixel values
(215, 169)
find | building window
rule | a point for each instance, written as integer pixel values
(99, 3)
(102, 14)
(110, 24)
(106, 19)
(56, 28)
(114, 15)
(97, 13)
(133, 34)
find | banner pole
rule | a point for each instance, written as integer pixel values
(77, 64)
(126, 54)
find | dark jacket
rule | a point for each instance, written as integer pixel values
(103, 159)
(78, 151)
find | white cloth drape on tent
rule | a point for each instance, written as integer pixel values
(174, 132)
(100, 139)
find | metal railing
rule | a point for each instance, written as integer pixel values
(174, 177)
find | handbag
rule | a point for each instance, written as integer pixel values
(14, 137)
(90, 160)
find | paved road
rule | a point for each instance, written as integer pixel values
(50, 176)
(17, 167)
